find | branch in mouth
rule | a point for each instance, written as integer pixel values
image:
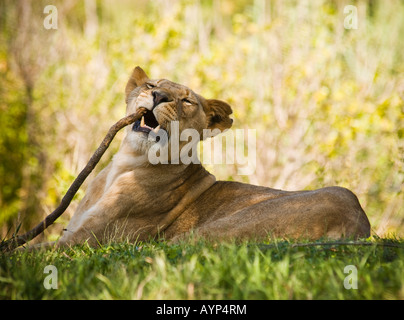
(147, 123)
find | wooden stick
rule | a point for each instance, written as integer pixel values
(17, 241)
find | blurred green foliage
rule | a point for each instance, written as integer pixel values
(327, 102)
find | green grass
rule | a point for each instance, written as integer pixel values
(204, 270)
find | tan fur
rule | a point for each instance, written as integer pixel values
(133, 199)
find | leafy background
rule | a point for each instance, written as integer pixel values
(327, 102)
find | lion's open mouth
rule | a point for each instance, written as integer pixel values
(147, 123)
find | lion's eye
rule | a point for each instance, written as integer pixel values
(186, 101)
(150, 85)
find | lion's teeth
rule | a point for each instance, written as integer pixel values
(142, 122)
(156, 129)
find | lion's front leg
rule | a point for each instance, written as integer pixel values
(115, 216)
(92, 223)
(90, 227)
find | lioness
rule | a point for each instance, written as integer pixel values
(134, 199)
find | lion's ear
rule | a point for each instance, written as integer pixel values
(217, 115)
(137, 78)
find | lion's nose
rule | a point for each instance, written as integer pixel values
(160, 97)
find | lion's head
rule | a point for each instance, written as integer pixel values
(171, 105)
